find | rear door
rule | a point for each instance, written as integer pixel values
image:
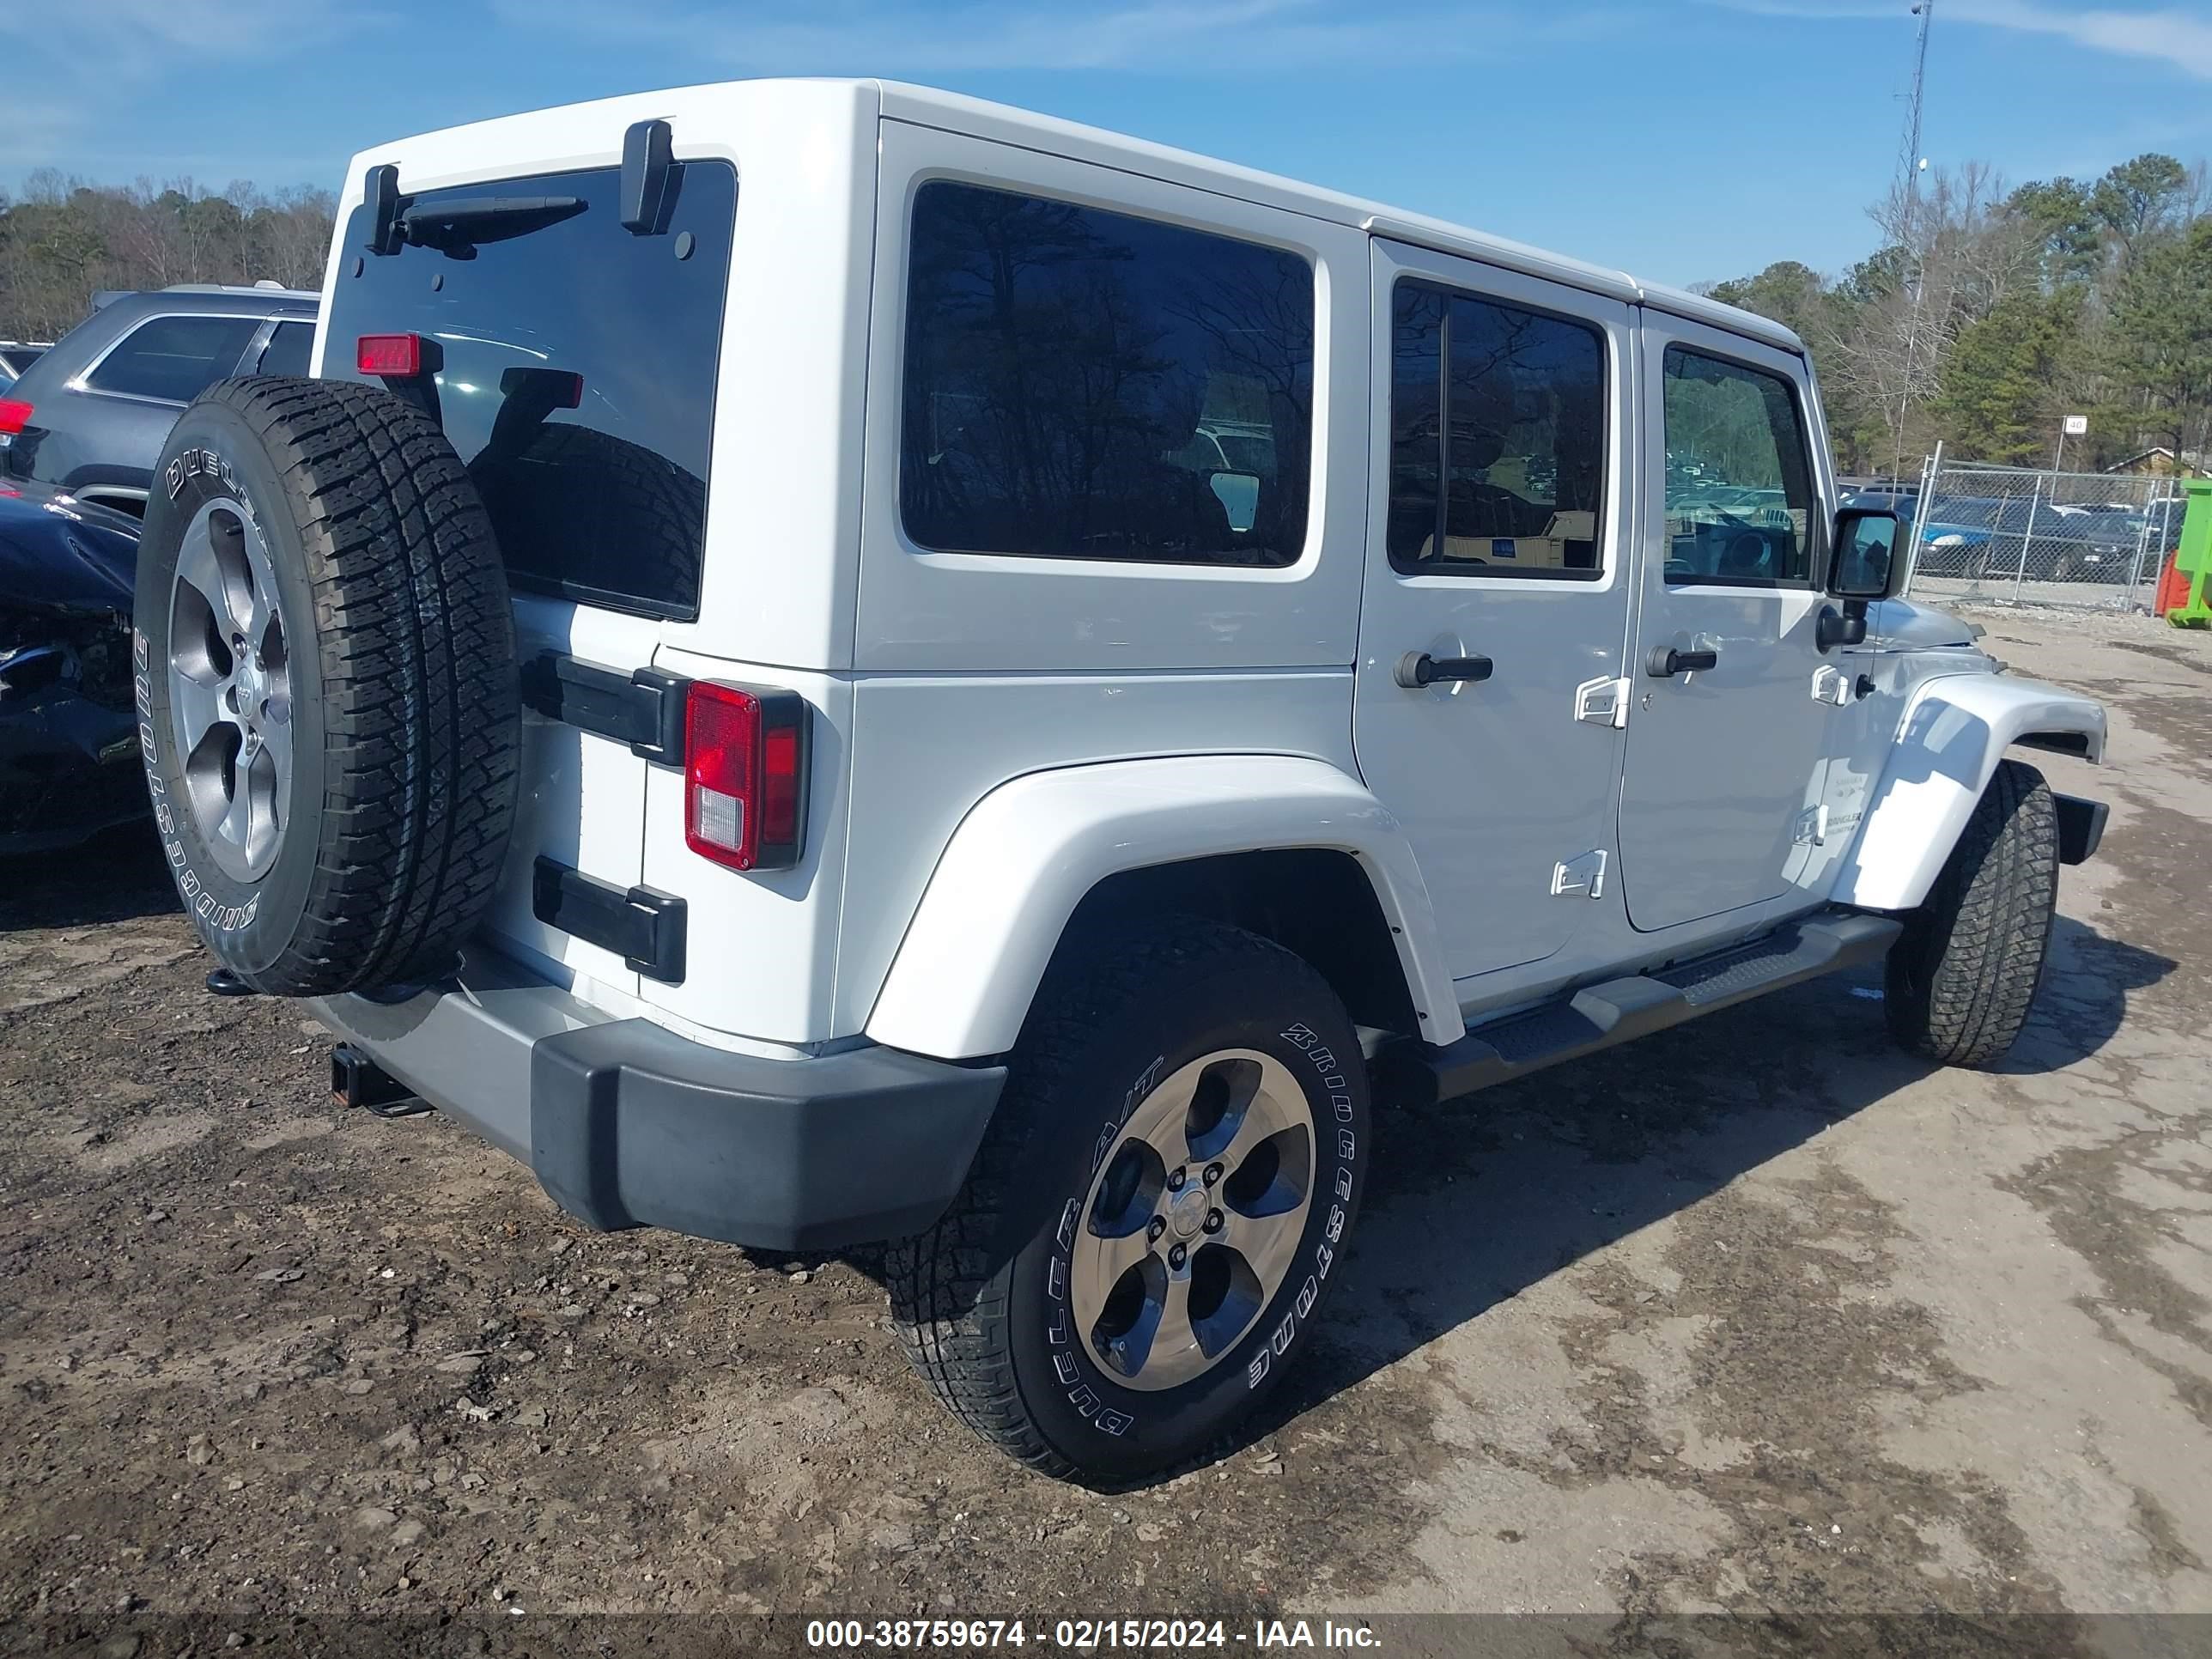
(1498, 546)
(1727, 737)
(573, 366)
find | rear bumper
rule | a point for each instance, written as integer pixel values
(626, 1124)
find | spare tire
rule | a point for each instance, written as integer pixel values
(328, 701)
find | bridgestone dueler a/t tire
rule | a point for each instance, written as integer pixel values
(979, 1302)
(405, 717)
(1963, 974)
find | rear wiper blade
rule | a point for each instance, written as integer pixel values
(458, 225)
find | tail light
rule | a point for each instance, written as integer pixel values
(14, 415)
(744, 776)
(390, 356)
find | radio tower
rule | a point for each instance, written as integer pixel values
(1908, 159)
(1909, 163)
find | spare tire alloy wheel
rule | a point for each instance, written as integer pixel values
(324, 666)
(230, 689)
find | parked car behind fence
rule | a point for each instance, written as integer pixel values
(2055, 539)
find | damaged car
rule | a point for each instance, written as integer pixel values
(69, 747)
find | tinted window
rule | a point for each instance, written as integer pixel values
(175, 358)
(1497, 439)
(1739, 483)
(574, 370)
(1087, 385)
(289, 350)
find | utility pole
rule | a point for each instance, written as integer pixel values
(1911, 162)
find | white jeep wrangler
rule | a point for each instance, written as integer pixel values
(825, 662)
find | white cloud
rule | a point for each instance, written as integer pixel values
(2182, 38)
(188, 50)
(1197, 37)
(147, 37)
(2169, 35)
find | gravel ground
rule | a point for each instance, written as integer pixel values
(1757, 1318)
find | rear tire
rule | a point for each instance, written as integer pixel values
(999, 1306)
(1961, 978)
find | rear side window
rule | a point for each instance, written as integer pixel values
(289, 350)
(1497, 439)
(173, 358)
(1086, 385)
(574, 365)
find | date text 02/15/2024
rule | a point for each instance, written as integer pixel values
(1083, 1634)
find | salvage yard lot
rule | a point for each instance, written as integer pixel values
(1755, 1314)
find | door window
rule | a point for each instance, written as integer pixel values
(173, 359)
(1738, 476)
(1497, 439)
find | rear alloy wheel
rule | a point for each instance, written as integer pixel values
(1165, 1194)
(1191, 1223)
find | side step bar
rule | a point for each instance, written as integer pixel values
(1621, 1010)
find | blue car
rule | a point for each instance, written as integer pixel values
(68, 742)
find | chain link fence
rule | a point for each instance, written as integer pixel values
(2021, 535)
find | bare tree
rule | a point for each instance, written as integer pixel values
(63, 240)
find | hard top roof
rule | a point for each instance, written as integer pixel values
(952, 111)
(927, 106)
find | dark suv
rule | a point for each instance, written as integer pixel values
(91, 414)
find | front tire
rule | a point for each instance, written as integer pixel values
(1963, 974)
(1163, 1197)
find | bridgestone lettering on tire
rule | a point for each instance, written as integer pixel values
(333, 794)
(1962, 977)
(991, 1305)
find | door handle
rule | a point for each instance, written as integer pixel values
(1665, 662)
(1417, 668)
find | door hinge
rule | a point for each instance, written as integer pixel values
(1584, 875)
(1829, 685)
(1812, 829)
(1602, 702)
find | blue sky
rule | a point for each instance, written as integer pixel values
(1687, 140)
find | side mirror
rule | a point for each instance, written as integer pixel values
(1863, 563)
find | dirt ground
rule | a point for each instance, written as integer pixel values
(1756, 1318)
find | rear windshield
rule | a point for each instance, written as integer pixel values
(575, 364)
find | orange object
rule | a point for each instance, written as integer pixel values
(2172, 586)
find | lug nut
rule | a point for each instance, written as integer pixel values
(1212, 1173)
(1174, 1181)
(1178, 1256)
(1213, 1221)
(1155, 1227)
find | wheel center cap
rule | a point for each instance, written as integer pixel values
(1187, 1214)
(249, 680)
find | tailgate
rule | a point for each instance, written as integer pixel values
(572, 361)
(582, 801)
